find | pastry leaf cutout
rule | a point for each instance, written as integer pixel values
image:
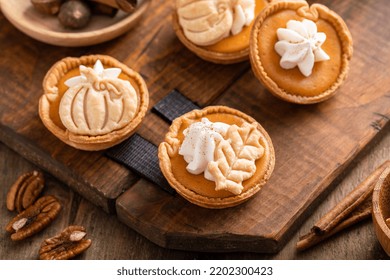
(235, 157)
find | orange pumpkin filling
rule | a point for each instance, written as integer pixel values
(62, 88)
(198, 183)
(324, 74)
(240, 41)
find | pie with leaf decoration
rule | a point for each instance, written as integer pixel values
(216, 30)
(300, 53)
(217, 157)
(92, 102)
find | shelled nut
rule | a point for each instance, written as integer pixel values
(34, 219)
(25, 191)
(65, 245)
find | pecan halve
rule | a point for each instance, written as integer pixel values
(65, 245)
(34, 219)
(25, 191)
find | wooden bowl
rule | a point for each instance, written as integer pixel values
(47, 29)
(381, 209)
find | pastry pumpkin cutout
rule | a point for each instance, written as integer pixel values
(97, 102)
(92, 102)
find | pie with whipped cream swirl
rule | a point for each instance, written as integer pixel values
(217, 157)
(300, 53)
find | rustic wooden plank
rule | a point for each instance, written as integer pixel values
(166, 64)
(150, 48)
(177, 224)
(153, 49)
(113, 240)
(24, 68)
(313, 144)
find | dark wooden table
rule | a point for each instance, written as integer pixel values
(114, 240)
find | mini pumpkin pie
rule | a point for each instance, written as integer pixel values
(217, 157)
(92, 102)
(299, 52)
(217, 30)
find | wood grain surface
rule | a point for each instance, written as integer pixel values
(112, 240)
(314, 144)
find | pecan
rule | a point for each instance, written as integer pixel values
(68, 244)
(25, 191)
(34, 219)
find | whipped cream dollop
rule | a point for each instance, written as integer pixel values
(243, 14)
(199, 145)
(300, 45)
(206, 22)
(97, 101)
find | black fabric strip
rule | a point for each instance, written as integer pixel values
(174, 105)
(140, 156)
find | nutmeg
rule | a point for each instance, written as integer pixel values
(74, 14)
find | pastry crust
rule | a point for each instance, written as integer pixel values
(290, 85)
(195, 188)
(211, 55)
(54, 89)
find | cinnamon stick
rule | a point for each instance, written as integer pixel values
(361, 213)
(355, 207)
(350, 202)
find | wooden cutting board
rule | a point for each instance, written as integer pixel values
(314, 144)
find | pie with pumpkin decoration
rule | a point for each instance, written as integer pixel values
(300, 53)
(92, 102)
(216, 30)
(217, 157)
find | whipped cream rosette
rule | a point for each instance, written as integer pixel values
(300, 45)
(199, 145)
